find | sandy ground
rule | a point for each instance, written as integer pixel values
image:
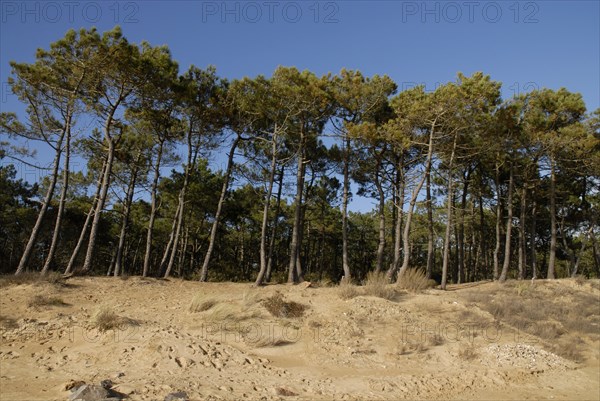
(417, 346)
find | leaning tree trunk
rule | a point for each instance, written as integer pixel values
(47, 199)
(450, 196)
(87, 264)
(126, 212)
(163, 262)
(345, 264)
(61, 205)
(413, 201)
(153, 207)
(507, 241)
(86, 224)
(182, 194)
(552, 259)
(581, 251)
(265, 219)
(215, 225)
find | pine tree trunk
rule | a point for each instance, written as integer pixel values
(430, 230)
(295, 242)
(87, 264)
(163, 262)
(507, 242)
(413, 201)
(498, 224)
(215, 225)
(552, 258)
(63, 199)
(265, 219)
(126, 211)
(182, 194)
(461, 228)
(533, 234)
(399, 208)
(153, 208)
(45, 203)
(381, 213)
(522, 235)
(346, 190)
(450, 196)
(86, 224)
(274, 227)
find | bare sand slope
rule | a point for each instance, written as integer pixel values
(432, 345)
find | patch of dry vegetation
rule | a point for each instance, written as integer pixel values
(414, 280)
(548, 310)
(32, 278)
(106, 319)
(467, 352)
(279, 307)
(378, 285)
(347, 290)
(8, 323)
(570, 350)
(230, 312)
(202, 302)
(39, 301)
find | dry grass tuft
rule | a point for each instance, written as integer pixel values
(32, 278)
(279, 307)
(414, 280)
(347, 290)
(227, 312)
(8, 323)
(571, 350)
(378, 285)
(250, 298)
(201, 303)
(436, 340)
(43, 300)
(106, 319)
(267, 341)
(467, 353)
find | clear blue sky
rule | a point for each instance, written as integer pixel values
(524, 44)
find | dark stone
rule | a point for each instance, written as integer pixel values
(92, 392)
(106, 383)
(177, 396)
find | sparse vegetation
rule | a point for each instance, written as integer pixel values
(230, 312)
(571, 350)
(467, 352)
(267, 341)
(279, 307)
(201, 303)
(44, 300)
(106, 319)
(347, 290)
(32, 278)
(8, 323)
(377, 285)
(436, 340)
(414, 280)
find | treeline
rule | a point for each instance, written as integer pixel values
(468, 186)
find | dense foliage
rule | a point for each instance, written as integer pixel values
(466, 185)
